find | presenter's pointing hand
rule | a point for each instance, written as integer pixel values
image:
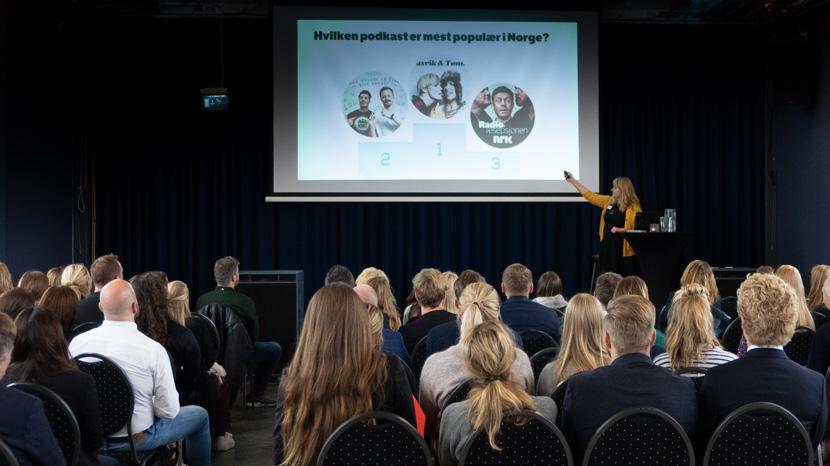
(568, 176)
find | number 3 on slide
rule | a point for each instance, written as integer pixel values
(495, 163)
(384, 159)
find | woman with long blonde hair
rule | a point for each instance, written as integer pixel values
(335, 374)
(619, 212)
(690, 337)
(386, 302)
(818, 274)
(76, 276)
(792, 276)
(698, 272)
(487, 351)
(581, 348)
(445, 370)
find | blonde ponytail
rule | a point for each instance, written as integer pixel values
(488, 351)
(479, 303)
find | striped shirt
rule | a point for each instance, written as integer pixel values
(708, 358)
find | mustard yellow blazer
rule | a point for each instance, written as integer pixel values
(603, 201)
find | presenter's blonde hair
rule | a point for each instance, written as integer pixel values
(628, 197)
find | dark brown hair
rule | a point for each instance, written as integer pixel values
(14, 301)
(39, 348)
(34, 281)
(105, 269)
(549, 285)
(151, 294)
(62, 301)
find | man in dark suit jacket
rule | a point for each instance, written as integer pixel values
(519, 312)
(631, 380)
(23, 425)
(103, 270)
(767, 307)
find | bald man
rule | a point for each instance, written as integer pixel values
(392, 340)
(157, 417)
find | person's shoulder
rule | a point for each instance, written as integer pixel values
(18, 402)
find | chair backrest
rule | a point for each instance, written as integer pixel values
(82, 327)
(541, 359)
(115, 394)
(729, 306)
(61, 419)
(7, 457)
(558, 397)
(695, 373)
(731, 338)
(235, 344)
(536, 441)
(534, 341)
(375, 438)
(755, 433)
(207, 334)
(798, 349)
(644, 436)
(418, 358)
(459, 393)
(663, 318)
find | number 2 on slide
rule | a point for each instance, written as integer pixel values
(385, 159)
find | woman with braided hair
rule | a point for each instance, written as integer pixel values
(487, 351)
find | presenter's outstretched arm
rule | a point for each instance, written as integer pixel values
(579, 186)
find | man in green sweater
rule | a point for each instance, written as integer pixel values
(266, 354)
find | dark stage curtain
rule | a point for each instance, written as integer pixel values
(682, 115)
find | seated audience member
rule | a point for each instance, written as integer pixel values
(77, 277)
(487, 351)
(690, 338)
(157, 416)
(6, 283)
(699, 272)
(448, 280)
(155, 322)
(54, 275)
(386, 301)
(630, 380)
(581, 349)
(815, 300)
(23, 424)
(819, 359)
(103, 270)
(335, 374)
(340, 274)
(430, 296)
(62, 302)
(444, 371)
(40, 357)
(768, 309)
(765, 269)
(549, 291)
(392, 341)
(636, 286)
(792, 277)
(445, 335)
(15, 301)
(605, 286)
(34, 281)
(266, 354)
(210, 391)
(519, 312)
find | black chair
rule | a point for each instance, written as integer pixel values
(459, 393)
(759, 433)
(541, 359)
(375, 438)
(558, 397)
(663, 318)
(235, 345)
(819, 319)
(731, 338)
(7, 458)
(729, 306)
(116, 403)
(207, 335)
(534, 341)
(536, 441)
(61, 420)
(81, 328)
(594, 265)
(643, 436)
(798, 349)
(418, 358)
(696, 374)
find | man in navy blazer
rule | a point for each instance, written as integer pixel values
(631, 380)
(767, 307)
(519, 312)
(23, 425)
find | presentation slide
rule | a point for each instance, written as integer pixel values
(382, 105)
